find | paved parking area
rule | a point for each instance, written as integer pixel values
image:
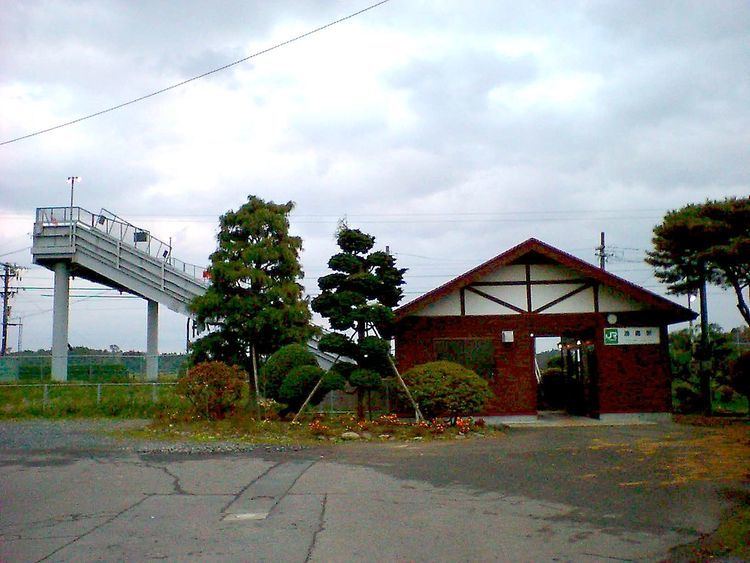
(555, 494)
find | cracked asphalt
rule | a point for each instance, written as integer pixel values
(70, 493)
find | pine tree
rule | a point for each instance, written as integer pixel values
(705, 242)
(254, 304)
(359, 295)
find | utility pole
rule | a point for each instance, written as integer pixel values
(9, 271)
(601, 252)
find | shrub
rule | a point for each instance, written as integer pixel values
(278, 366)
(447, 389)
(726, 393)
(389, 421)
(212, 388)
(317, 428)
(301, 380)
(463, 425)
(269, 409)
(686, 396)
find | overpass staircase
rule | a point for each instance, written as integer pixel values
(106, 249)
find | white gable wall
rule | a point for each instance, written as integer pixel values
(507, 273)
(447, 306)
(610, 300)
(581, 302)
(541, 272)
(479, 305)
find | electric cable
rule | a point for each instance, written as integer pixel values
(198, 77)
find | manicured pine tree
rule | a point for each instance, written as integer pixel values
(360, 294)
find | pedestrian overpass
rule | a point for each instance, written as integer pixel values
(106, 249)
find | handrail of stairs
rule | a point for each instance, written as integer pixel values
(116, 227)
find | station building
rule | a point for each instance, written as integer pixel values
(612, 333)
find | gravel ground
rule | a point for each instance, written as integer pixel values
(44, 435)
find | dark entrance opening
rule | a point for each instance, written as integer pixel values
(567, 375)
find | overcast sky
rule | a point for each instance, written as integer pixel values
(450, 130)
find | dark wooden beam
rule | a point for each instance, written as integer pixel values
(495, 299)
(532, 282)
(528, 287)
(568, 295)
(462, 294)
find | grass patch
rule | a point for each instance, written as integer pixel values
(736, 405)
(68, 400)
(315, 429)
(731, 540)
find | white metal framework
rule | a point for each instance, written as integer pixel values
(104, 248)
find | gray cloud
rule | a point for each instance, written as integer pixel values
(450, 131)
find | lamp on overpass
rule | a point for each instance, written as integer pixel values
(72, 180)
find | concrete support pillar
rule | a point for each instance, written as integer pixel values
(152, 341)
(60, 323)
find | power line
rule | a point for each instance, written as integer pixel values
(532, 215)
(15, 251)
(45, 288)
(44, 311)
(210, 72)
(436, 220)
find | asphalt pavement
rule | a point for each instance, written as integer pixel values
(71, 493)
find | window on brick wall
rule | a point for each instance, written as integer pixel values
(477, 354)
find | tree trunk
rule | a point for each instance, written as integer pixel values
(360, 404)
(705, 372)
(255, 380)
(361, 333)
(741, 303)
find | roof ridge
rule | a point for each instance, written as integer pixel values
(559, 256)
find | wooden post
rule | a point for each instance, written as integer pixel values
(417, 413)
(255, 380)
(309, 398)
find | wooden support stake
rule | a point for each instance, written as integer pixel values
(417, 413)
(255, 380)
(309, 398)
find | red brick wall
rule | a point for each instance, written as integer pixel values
(631, 378)
(513, 383)
(635, 378)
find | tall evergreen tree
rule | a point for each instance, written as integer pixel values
(254, 304)
(705, 241)
(360, 294)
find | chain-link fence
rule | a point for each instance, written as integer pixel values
(121, 367)
(64, 399)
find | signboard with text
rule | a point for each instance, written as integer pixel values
(624, 336)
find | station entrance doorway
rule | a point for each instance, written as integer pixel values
(567, 374)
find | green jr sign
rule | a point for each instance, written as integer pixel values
(611, 336)
(631, 335)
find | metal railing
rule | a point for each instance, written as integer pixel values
(118, 228)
